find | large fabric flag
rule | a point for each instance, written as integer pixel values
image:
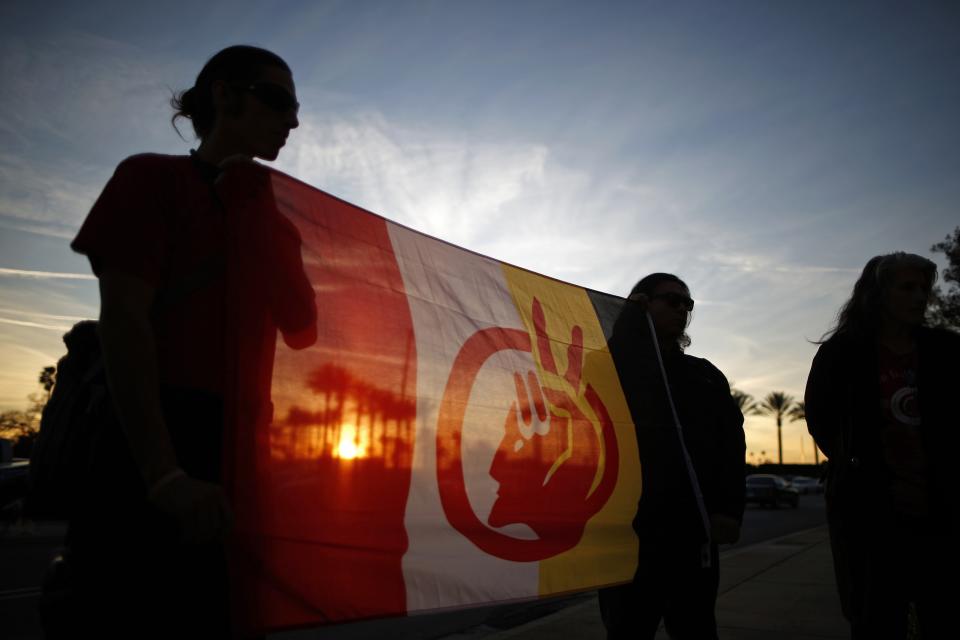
(455, 434)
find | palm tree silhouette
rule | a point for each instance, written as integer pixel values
(799, 412)
(745, 401)
(779, 404)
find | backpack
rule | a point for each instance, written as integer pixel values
(78, 405)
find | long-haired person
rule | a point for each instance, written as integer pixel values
(197, 272)
(881, 402)
(693, 491)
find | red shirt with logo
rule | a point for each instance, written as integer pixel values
(900, 432)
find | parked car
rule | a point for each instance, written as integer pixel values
(806, 485)
(770, 490)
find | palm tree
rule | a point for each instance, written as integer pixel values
(779, 404)
(745, 401)
(799, 412)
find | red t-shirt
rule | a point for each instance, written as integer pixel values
(159, 219)
(900, 433)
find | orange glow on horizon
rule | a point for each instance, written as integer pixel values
(347, 450)
(343, 418)
(349, 447)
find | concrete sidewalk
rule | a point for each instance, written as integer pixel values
(782, 589)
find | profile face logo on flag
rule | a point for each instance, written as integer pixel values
(456, 436)
(556, 465)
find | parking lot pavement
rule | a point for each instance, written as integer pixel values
(782, 588)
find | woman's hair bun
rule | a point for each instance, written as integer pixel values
(187, 101)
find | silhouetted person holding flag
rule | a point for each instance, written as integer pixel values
(691, 443)
(197, 271)
(881, 402)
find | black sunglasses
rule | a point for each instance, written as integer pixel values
(675, 300)
(272, 95)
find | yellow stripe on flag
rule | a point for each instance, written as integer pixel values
(597, 472)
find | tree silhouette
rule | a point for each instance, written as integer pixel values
(379, 421)
(48, 377)
(779, 404)
(23, 426)
(799, 412)
(945, 302)
(15, 424)
(745, 401)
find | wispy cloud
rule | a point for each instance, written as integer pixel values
(38, 314)
(64, 127)
(38, 319)
(112, 86)
(438, 183)
(25, 273)
(513, 200)
(37, 196)
(35, 325)
(41, 230)
(757, 263)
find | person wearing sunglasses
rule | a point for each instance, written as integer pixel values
(691, 443)
(198, 271)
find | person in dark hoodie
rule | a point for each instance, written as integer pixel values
(691, 443)
(881, 403)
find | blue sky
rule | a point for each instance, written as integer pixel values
(762, 151)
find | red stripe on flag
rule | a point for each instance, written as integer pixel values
(325, 536)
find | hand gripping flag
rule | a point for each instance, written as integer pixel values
(453, 433)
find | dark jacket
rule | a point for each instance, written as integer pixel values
(712, 431)
(844, 417)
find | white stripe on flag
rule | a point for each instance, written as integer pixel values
(454, 293)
